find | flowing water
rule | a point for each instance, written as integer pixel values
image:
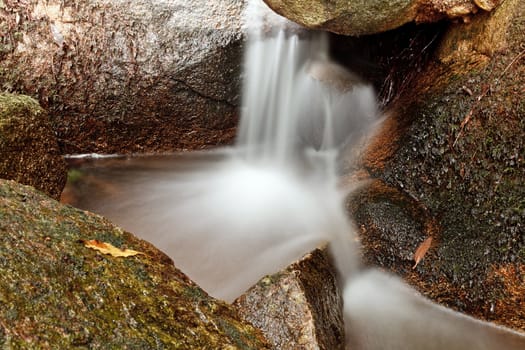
(229, 217)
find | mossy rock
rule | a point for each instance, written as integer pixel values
(29, 151)
(57, 293)
(454, 147)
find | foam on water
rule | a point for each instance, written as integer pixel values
(246, 221)
(277, 196)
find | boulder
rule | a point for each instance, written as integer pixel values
(368, 17)
(450, 164)
(29, 151)
(57, 292)
(299, 307)
(127, 76)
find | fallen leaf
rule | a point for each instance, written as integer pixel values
(421, 251)
(107, 248)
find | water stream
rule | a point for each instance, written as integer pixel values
(229, 217)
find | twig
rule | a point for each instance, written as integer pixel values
(467, 118)
(520, 55)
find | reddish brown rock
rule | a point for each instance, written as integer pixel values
(450, 160)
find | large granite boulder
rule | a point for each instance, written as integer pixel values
(57, 293)
(449, 164)
(127, 76)
(360, 17)
(29, 151)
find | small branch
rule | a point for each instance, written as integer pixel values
(516, 59)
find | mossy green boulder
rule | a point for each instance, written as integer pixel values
(29, 151)
(56, 293)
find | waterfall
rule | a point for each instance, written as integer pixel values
(273, 197)
(300, 110)
(232, 216)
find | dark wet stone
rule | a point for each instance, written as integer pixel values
(392, 225)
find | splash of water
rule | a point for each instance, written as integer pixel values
(297, 101)
(234, 216)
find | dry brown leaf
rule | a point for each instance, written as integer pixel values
(421, 251)
(107, 248)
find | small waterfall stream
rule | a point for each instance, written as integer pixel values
(235, 215)
(301, 108)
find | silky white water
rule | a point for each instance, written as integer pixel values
(274, 196)
(231, 217)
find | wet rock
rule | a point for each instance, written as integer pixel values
(29, 151)
(368, 17)
(57, 293)
(299, 307)
(454, 146)
(392, 225)
(127, 76)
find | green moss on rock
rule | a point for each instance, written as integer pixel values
(56, 293)
(358, 17)
(29, 152)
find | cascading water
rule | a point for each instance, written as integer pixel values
(274, 196)
(231, 218)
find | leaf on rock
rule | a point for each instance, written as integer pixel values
(107, 248)
(421, 251)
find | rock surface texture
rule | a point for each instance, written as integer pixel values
(57, 293)
(359, 17)
(449, 164)
(29, 151)
(299, 307)
(127, 76)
